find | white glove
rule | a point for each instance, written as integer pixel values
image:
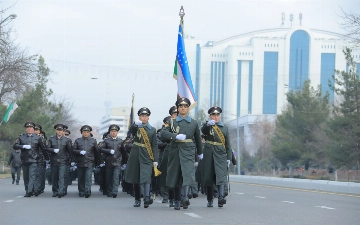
(138, 122)
(72, 164)
(82, 152)
(181, 137)
(27, 146)
(196, 163)
(228, 162)
(102, 164)
(123, 167)
(211, 123)
(155, 164)
(56, 150)
(201, 156)
(112, 151)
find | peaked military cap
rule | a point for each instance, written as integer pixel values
(166, 119)
(29, 124)
(59, 126)
(172, 110)
(85, 128)
(215, 110)
(65, 127)
(114, 127)
(144, 110)
(38, 127)
(67, 132)
(183, 101)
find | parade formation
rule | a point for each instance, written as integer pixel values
(148, 162)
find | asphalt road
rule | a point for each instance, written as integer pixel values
(248, 204)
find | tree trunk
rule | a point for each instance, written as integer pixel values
(291, 171)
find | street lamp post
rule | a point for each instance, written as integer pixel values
(238, 145)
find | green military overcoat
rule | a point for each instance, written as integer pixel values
(163, 167)
(214, 166)
(139, 166)
(180, 170)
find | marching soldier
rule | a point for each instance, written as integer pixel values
(217, 156)
(114, 156)
(66, 134)
(87, 156)
(102, 173)
(127, 145)
(164, 161)
(15, 162)
(61, 152)
(143, 157)
(181, 132)
(41, 165)
(30, 144)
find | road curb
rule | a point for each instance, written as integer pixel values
(308, 184)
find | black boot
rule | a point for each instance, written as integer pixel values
(137, 195)
(185, 200)
(177, 205)
(177, 196)
(171, 202)
(147, 200)
(209, 196)
(221, 198)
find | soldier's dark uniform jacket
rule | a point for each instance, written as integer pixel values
(65, 150)
(37, 144)
(92, 155)
(120, 155)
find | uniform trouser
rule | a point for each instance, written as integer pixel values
(164, 192)
(84, 179)
(112, 179)
(58, 179)
(40, 177)
(29, 176)
(16, 170)
(66, 178)
(103, 180)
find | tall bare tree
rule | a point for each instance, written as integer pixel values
(17, 67)
(351, 25)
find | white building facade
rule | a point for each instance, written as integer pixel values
(249, 74)
(119, 116)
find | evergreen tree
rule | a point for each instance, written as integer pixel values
(294, 141)
(344, 127)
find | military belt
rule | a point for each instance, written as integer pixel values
(139, 144)
(186, 140)
(213, 143)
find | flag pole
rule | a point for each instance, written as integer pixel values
(182, 14)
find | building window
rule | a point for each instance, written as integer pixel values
(327, 71)
(270, 83)
(299, 59)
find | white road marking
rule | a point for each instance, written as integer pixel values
(239, 193)
(259, 197)
(19, 196)
(193, 215)
(288, 202)
(324, 207)
(9, 201)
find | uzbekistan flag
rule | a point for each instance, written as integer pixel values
(182, 73)
(10, 111)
